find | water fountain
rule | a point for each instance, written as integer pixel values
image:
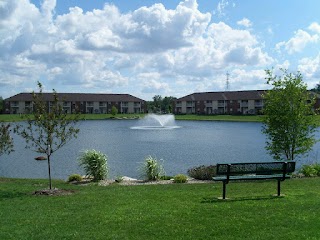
(156, 121)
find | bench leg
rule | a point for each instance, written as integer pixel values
(279, 183)
(224, 190)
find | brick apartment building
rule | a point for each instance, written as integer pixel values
(82, 102)
(229, 102)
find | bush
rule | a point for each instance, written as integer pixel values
(316, 166)
(74, 178)
(180, 178)
(203, 172)
(152, 169)
(166, 177)
(310, 170)
(94, 164)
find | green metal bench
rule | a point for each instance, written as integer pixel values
(253, 171)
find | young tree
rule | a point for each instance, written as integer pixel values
(289, 122)
(6, 141)
(48, 130)
(114, 111)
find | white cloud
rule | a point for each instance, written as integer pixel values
(241, 79)
(298, 42)
(237, 46)
(222, 6)
(151, 48)
(315, 27)
(310, 67)
(245, 22)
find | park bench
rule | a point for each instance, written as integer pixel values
(253, 171)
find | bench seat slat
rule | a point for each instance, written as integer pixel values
(250, 177)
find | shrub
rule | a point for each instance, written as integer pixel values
(310, 170)
(94, 164)
(203, 172)
(316, 166)
(166, 177)
(74, 178)
(152, 169)
(119, 179)
(180, 178)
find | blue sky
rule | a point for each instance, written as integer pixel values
(148, 47)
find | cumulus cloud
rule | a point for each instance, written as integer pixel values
(298, 42)
(245, 22)
(237, 46)
(151, 85)
(153, 48)
(315, 27)
(310, 67)
(253, 79)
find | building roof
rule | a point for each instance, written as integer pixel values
(78, 97)
(228, 95)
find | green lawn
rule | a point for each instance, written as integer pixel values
(242, 118)
(176, 211)
(238, 118)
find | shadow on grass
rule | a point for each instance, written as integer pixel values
(11, 195)
(237, 199)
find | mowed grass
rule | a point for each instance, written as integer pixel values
(191, 117)
(175, 211)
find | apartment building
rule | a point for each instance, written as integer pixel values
(82, 102)
(230, 102)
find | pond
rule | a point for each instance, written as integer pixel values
(185, 145)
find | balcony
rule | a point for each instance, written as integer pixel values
(14, 104)
(89, 104)
(244, 104)
(258, 104)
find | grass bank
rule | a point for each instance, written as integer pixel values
(191, 117)
(175, 211)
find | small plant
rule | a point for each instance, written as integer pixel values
(119, 179)
(75, 178)
(152, 169)
(180, 178)
(203, 172)
(94, 164)
(312, 170)
(166, 177)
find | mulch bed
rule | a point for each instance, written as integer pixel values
(53, 192)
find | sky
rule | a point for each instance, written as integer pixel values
(151, 47)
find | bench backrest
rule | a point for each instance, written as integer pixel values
(264, 168)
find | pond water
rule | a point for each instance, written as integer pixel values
(192, 143)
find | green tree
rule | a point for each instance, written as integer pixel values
(157, 103)
(6, 141)
(317, 88)
(167, 103)
(47, 130)
(289, 122)
(114, 110)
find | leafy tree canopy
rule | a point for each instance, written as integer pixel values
(289, 122)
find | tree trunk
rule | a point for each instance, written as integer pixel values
(49, 172)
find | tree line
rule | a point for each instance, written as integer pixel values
(161, 104)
